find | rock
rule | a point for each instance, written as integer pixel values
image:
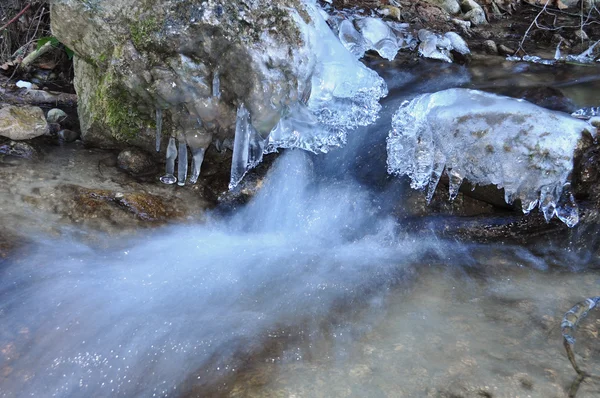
(450, 6)
(68, 135)
(473, 12)
(392, 12)
(19, 149)
(22, 123)
(504, 50)
(194, 61)
(489, 46)
(54, 128)
(581, 35)
(546, 97)
(136, 162)
(56, 116)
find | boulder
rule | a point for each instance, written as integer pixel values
(22, 122)
(149, 72)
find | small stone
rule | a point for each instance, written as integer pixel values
(504, 50)
(392, 12)
(581, 35)
(18, 149)
(451, 6)
(473, 12)
(56, 116)
(489, 46)
(135, 161)
(68, 135)
(22, 123)
(54, 128)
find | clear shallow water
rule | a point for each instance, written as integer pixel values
(313, 289)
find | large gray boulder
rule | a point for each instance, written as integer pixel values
(198, 62)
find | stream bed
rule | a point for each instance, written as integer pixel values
(313, 289)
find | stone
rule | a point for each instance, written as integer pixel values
(19, 149)
(68, 135)
(504, 50)
(450, 6)
(473, 12)
(22, 122)
(56, 115)
(489, 46)
(136, 161)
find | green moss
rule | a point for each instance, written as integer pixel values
(143, 31)
(113, 108)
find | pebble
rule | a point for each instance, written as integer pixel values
(56, 115)
(490, 47)
(68, 135)
(135, 161)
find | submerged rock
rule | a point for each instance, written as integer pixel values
(488, 139)
(22, 122)
(136, 162)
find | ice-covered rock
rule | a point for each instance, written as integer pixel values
(190, 65)
(437, 46)
(488, 139)
(379, 37)
(339, 94)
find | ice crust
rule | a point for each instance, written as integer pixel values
(340, 94)
(488, 139)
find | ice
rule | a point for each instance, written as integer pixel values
(379, 37)
(169, 177)
(352, 39)
(439, 47)
(182, 163)
(197, 159)
(488, 139)
(158, 128)
(338, 94)
(216, 85)
(248, 147)
(586, 113)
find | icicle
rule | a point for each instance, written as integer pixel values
(548, 201)
(557, 54)
(351, 39)
(567, 210)
(455, 183)
(182, 166)
(436, 174)
(169, 177)
(197, 159)
(248, 147)
(216, 85)
(158, 128)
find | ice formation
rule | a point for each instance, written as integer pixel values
(488, 139)
(588, 56)
(436, 46)
(340, 94)
(169, 177)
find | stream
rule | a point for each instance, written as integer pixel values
(312, 289)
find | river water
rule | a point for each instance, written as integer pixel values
(312, 289)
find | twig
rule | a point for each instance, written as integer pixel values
(35, 55)
(529, 28)
(16, 17)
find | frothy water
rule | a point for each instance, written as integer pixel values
(152, 317)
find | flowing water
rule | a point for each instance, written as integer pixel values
(312, 289)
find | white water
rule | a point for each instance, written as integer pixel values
(166, 310)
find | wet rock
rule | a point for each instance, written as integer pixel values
(473, 12)
(504, 50)
(22, 123)
(68, 135)
(19, 149)
(547, 97)
(136, 162)
(391, 12)
(101, 203)
(451, 6)
(489, 46)
(56, 115)
(54, 128)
